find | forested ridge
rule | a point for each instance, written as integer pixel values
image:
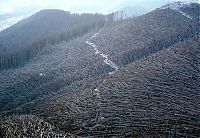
(71, 88)
(17, 53)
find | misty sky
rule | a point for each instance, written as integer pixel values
(7, 6)
(10, 6)
(12, 11)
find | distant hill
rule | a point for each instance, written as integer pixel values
(9, 19)
(6, 22)
(22, 41)
(39, 25)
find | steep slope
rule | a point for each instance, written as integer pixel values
(133, 39)
(66, 65)
(157, 96)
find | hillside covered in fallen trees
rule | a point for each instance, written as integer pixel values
(138, 77)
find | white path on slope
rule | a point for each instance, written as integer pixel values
(176, 7)
(106, 59)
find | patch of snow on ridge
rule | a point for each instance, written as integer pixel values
(176, 6)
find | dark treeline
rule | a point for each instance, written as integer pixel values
(41, 24)
(25, 53)
(19, 55)
(117, 16)
(156, 46)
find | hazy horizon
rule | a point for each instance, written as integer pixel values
(11, 11)
(92, 6)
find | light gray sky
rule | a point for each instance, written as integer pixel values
(9, 6)
(11, 11)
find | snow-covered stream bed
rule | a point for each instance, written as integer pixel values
(106, 58)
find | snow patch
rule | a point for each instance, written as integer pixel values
(97, 93)
(106, 59)
(95, 35)
(176, 6)
(41, 74)
(104, 55)
(111, 73)
(111, 63)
